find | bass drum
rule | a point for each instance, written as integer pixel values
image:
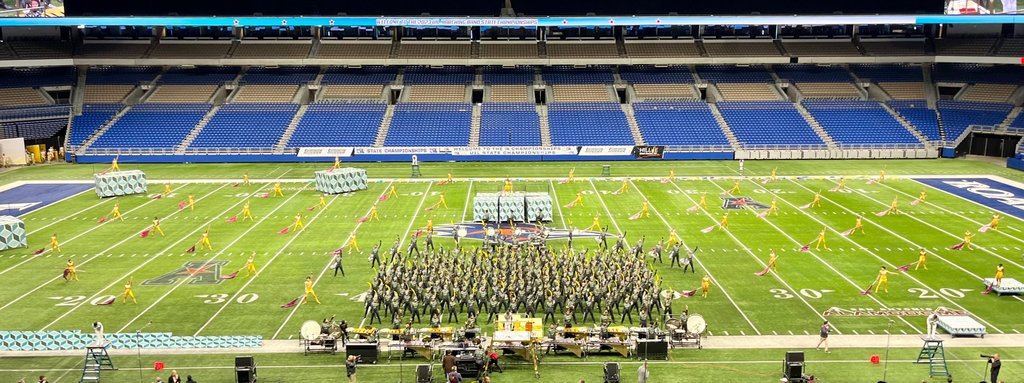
(462, 232)
(695, 324)
(673, 324)
(310, 330)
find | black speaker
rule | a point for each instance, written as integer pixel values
(794, 357)
(367, 352)
(424, 374)
(467, 365)
(245, 369)
(794, 370)
(652, 349)
(611, 373)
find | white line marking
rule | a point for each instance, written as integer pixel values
(465, 208)
(558, 206)
(609, 212)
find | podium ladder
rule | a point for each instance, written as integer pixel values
(933, 354)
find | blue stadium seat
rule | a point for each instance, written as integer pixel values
(678, 123)
(35, 129)
(768, 123)
(812, 73)
(199, 76)
(958, 115)
(430, 124)
(37, 77)
(563, 74)
(732, 73)
(355, 76)
(499, 75)
(648, 74)
(888, 72)
(588, 123)
(974, 73)
(280, 75)
(509, 124)
(330, 124)
(446, 75)
(115, 75)
(225, 127)
(93, 116)
(154, 125)
(859, 123)
(918, 114)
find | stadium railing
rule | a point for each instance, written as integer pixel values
(982, 129)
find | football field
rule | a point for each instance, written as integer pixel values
(185, 293)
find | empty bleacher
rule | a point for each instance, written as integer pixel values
(918, 114)
(167, 50)
(121, 75)
(330, 50)
(199, 75)
(222, 131)
(768, 123)
(655, 75)
(588, 123)
(365, 75)
(820, 48)
(181, 93)
(40, 50)
(510, 93)
(445, 75)
(766, 48)
(15, 97)
(93, 116)
(430, 124)
(988, 92)
(118, 51)
(678, 123)
(888, 72)
(99, 94)
(904, 90)
(37, 77)
(436, 93)
(279, 75)
(345, 125)
(1011, 47)
(894, 47)
(859, 123)
(33, 130)
(265, 93)
(351, 92)
(828, 90)
(152, 125)
(580, 49)
(580, 92)
(666, 92)
(509, 124)
(508, 50)
(963, 47)
(748, 92)
(812, 73)
(661, 49)
(433, 50)
(248, 49)
(569, 75)
(958, 115)
(498, 75)
(734, 73)
(978, 73)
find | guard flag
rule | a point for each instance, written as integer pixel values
(233, 219)
(689, 293)
(144, 233)
(191, 249)
(229, 276)
(958, 246)
(102, 219)
(988, 289)
(383, 198)
(158, 196)
(805, 248)
(763, 272)
(692, 208)
(805, 206)
(291, 303)
(182, 204)
(707, 229)
(905, 267)
(846, 233)
(283, 231)
(40, 251)
(634, 217)
(882, 213)
(984, 228)
(762, 214)
(108, 302)
(867, 290)
(361, 220)
(915, 202)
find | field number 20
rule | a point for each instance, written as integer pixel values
(928, 294)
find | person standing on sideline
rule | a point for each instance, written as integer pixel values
(996, 365)
(642, 374)
(350, 368)
(448, 362)
(825, 329)
(933, 322)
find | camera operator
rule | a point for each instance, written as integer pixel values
(995, 365)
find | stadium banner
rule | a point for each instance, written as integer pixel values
(606, 151)
(644, 152)
(984, 191)
(405, 150)
(325, 152)
(514, 151)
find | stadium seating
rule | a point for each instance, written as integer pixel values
(957, 116)
(894, 48)
(678, 123)
(509, 124)
(506, 50)
(119, 51)
(266, 93)
(14, 97)
(975, 73)
(446, 75)
(963, 47)
(211, 50)
(662, 49)
(988, 92)
(110, 75)
(646, 74)
(351, 92)
(338, 124)
(580, 92)
(918, 114)
(430, 124)
(33, 130)
(152, 125)
(344, 50)
(844, 48)
(582, 49)
(280, 76)
(732, 73)
(510, 93)
(222, 131)
(199, 75)
(497, 75)
(828, 90)
(1011, 47)
(248, 49)
(99, 94)
(771, 123)
(904, 90)
(181, 93)
(92, 117)
(888, 72)
(741, 49)
(1018, 122)
(41, 50)
(433, 50)
(365, 75)
(748, 92)
(666, 92)
(812, 73)
(436, 93)
(859, 123)
(35, 112)
(568, 75)
(588, 123)
(37, 77)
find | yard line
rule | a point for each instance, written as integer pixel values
(701, 264)
(1015, 238)
(223, 249)
(747, 249)
(97, 255)
(828, 265)
(155, 256)
(327, 266)
(890, 264)
(558, 205)
(598, 194)
(465, 207)
(47, 248)
(982, 248)
(415, 214)
(69, 215)
(260, 271)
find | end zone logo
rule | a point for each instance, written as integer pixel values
(739, 203)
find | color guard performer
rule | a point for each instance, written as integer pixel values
(508, 186)
(245, 179)
(968, 236)
(250, 265)
(645, 209)
(298, 222)
(55, 244)
(842, 183)
(156, 226)
(572, 175)
(673, 238)
(191, 202)
(774, 173)
(308, 288)
(735, 188)
(246, 213)
(703, 202)
(705, 285)
(922, 259)
(373, 213)
(821, 239)
(999, 274)
(596, 224)
(858, 226)
(773, 260)
(816, 202)
(352, 243)
(894, 207)
(70, 272)
(994, 224)
(882, 280)
(578, 201)
(204, 241)
(323, 201)
(624, 188)
(116, 212)
(128, 293)
(441, 201)
(167, 188)
(724, 223)
(278, 192)
(113, 164)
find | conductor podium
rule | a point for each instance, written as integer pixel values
(341, 180)
(515, 206)
(120, 183)
(12, 233)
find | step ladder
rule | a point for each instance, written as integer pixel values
(933, 354)
(96, 359)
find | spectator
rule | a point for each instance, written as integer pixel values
(642, 374)
(188, 379)
(454, 376)
(174, 378)
(825, 329)
(42, 379)
(3, 160)
(448, 362)
(350, 368)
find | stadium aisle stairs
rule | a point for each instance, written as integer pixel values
(634, 128)
(816, 126)
(733, 141)
(474, 127)
(196, 130)
(290, 130)
(906, 124)
(103, 128)
(385, 124)
(545, 127)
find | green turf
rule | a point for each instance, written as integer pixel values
(791, 301)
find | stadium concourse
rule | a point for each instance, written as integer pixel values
(516, 190)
